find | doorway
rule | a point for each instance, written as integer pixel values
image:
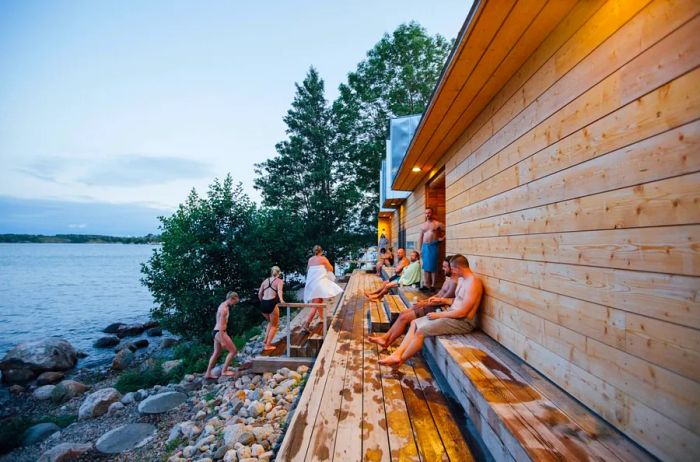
(435, 198)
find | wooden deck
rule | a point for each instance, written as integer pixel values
(353, 409)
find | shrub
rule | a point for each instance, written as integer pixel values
(134, 379)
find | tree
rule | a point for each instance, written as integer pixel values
(307, 184)
(208, 248)
(396, 79)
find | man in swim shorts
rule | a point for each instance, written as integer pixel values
(432, 233)
(221, 338)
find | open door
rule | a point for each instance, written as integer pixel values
(435, 198)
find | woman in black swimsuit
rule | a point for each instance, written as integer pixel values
(270, 294)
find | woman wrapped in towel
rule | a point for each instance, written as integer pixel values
(320, 283)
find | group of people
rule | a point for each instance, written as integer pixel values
(452, 310)
(320, 285)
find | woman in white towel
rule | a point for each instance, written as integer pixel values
(320, 283)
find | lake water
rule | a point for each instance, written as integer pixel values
(71, 291)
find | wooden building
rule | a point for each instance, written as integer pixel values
(561, 147)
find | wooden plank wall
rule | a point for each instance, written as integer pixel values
(576, 195)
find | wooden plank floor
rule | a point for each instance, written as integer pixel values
(353, 409)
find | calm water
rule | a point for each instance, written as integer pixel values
(71, 291)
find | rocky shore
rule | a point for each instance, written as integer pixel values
(239, 418)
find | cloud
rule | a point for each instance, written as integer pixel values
(127, 170)
(42, 216)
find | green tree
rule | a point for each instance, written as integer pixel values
(207, 249)
(396, 79)
(307, 185)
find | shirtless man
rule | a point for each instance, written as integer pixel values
(420, 309)
(460, 317)
(432, 233)
(221, 338)
(401, 263)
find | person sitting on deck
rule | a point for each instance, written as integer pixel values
(460, 317)
(401, 263)
(221, 337)
(270, 294)
(420, 308)
(381, 261)
(409, 276)
(320, 284)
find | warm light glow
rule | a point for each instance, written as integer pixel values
(415, 169)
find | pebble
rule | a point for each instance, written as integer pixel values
(230, 456)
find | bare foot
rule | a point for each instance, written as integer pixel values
(389, 361)
(228, 374)
(210, 377)
(378, 340)
(269, 348)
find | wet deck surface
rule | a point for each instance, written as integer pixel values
(354, 409)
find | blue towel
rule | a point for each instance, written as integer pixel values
(429, 254)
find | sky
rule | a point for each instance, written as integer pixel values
(112, 111)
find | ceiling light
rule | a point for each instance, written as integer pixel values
(415, 169)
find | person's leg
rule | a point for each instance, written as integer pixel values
(399, 327)
(274, 318)
(228, 344)
(395, 357)
(312, 314)
(214, 358)
(385, 290)
(412, 348)
(433, 277)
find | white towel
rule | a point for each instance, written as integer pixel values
(320, 284)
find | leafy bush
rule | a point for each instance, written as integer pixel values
(12, 428)
(134, 379)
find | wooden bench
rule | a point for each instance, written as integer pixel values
(393, 306)
(517, 412)
(388, 272)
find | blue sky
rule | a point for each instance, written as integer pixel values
(128, 105)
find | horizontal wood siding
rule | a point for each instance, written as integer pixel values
(576, 195)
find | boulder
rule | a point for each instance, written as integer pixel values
(67, 390)
(65, 452)
(151, 324)
(16, 389)
(154, 332)
(44, 392)
(115, 407)
(162, 402)
(141, 343)
(125, 438)
(232, 434)
(128, 398)
(97, 403)
(125, 345)
(81, 354)
(39, 432)
(130, 331)
(170, 365)
(107, 341)
(17, 376)
(46, 354)
(168, 342)
(49, 378)
(122, 360)
(113, 328)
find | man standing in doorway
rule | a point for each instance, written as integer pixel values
(432, 233)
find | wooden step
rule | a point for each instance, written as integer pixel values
(388, 272)
(393, 306)
(273, 363)
(379, 321)
(516, 411)
(411, 295)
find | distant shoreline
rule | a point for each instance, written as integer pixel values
(76, 239)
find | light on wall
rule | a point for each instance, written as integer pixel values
(416, 169)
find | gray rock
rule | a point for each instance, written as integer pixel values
(236, 405)
(246, 438)
(46, 354)
(151, 324)
(125, 345)
(174, 433)
(256, 408)
(232, 433)
(65, 452)
(168, 342)
(189, 429)
(162, 402)
(66, 390)
(124, 438)
(219, 453)
(113, 328)
(128, 398)
(154, 332)
(170, 365)
(130, 331)
(122, 360)
(81, 354)
(44, 392)
(16, 389)
(141, 343)
(49, 378)
(17, 376)
(106, 342)
(115, 407)
(39, 432)
(97, 403)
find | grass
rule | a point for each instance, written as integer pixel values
(12, 429)
(174, 444)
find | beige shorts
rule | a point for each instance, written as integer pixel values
(445, 326)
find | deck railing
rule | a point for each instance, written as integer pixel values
(289, 306)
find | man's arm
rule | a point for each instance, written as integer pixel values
(441, 232)
(420, 239)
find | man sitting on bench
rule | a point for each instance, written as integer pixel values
(409, 276)
(401, 263)
(420, 308)
(460, 317)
